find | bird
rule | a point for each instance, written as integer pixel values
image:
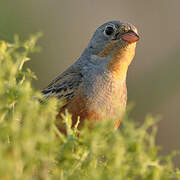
(94, 87)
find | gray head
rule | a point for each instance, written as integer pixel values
(118, 33)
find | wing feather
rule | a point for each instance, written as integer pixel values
(64, 86)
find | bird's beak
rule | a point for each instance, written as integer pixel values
(130, 36)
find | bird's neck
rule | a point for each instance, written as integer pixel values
(120, 61)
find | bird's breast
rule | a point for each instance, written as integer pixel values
(98, 98)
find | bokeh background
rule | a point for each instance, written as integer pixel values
(67, 25)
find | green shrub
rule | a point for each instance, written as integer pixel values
(31, 147)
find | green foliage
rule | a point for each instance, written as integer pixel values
(31, 147)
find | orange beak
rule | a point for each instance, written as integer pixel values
(130, 37)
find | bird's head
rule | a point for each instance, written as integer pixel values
(112, 35)
(116, 42)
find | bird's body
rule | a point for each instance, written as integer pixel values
(94, 87)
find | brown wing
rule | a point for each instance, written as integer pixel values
(64, 86)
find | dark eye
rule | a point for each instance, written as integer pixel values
(109, 30)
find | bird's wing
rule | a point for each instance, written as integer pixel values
(64, 86)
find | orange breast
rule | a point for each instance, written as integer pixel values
(81, 107)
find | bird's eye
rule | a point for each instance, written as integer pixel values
(109, 30)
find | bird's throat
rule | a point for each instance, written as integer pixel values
(120, 61)
(118, 69)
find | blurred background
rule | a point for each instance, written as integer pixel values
(154, 76)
